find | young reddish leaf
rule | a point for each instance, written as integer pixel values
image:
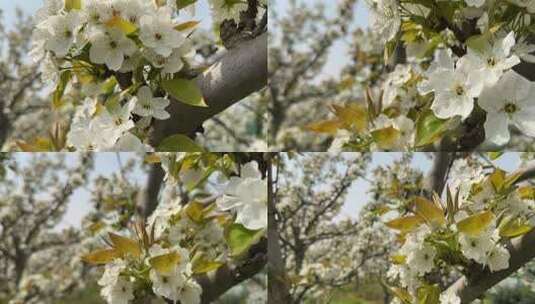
(513, 227)
(475, 224)
(386, 138)
(406, 223)
(328, 126)
(429, 211)
(101, 256)
(125, 246)
(123, 25)
(164, 264)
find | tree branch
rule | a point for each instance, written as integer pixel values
(149, 196)
(216, 283)
(241, 72)
(277, 289)
(436, 179)
(521, 250)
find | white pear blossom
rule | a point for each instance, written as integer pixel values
(148, 106)
(493, 59)
(190, 293)
(50, 8)
(476, 247)
(510, 101)
(443, 60)
(422, 258)
(385, 18)
(498, 258)
(120, 292)
(131, 143)
(111, 47)
(167, 285)
(98, 131)
(404, 125)
(475, 3)
(157, 32)
(449, 297)
(247, 195)
(524, 50)
(172, 63)
(62, 31)
(116, 289)
(97, 11)
(396, 79)
(528, 4)
(455, 89)
(227, 9)
(170, 284)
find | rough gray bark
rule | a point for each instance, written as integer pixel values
(437, 176)
(148, 201)
(241, 72)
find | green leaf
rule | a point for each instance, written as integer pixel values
(185, 91)
(428, 294)
(194, 210)
(73, 4)
(497, 178)
(429, 128)
(513, 227)
(240, 239)
(64, 79)
(202, 265)
(123, 25)
(179, 143)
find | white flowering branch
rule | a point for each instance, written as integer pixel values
(480, 280)
(217, 283)
(241, 72)
(521, 250)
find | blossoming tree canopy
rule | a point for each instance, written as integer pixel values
(475, 227)
(132, 59)
(183, 244)
(459, 77)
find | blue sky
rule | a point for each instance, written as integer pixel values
(105, 165)
(338, 57)
(357, 195)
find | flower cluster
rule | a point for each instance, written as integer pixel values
(472, 227)
(125, 55)
(449, 79)
(247, 196)
(183, 239)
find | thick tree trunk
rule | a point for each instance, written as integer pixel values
(149, 196)
(277, 284)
